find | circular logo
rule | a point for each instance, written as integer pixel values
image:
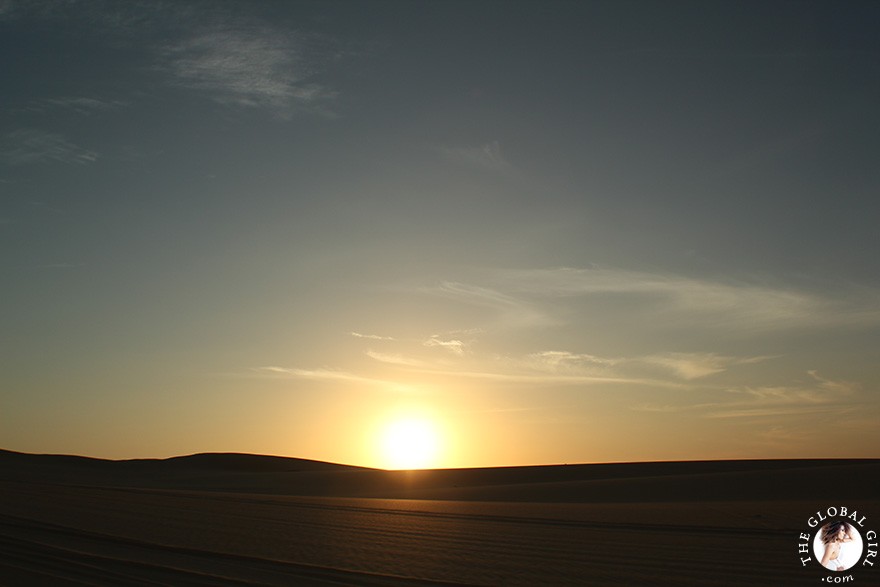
(838, 545)
(838, 541)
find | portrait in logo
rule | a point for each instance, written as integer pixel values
(837, 545)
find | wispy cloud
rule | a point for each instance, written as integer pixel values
(671, 370)
(819, 390)
(370, 336)
(509, 310)
(394, 359)
(781, 437)
(836, 387)
(686, 366)
(538, 298)
(732, 305)
(697, 365)
(29, 146)
(329, 375)
(488, 156)
(80, 104)
(820, 395)
(539, 369)
(234, 55)
(539, 379)
(556, 361)
(776, 411)
(454, 346)
(255, 67)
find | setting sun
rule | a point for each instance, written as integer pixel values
(410, 443)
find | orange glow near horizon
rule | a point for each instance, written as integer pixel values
(410, 439)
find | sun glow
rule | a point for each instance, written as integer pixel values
(410, 443)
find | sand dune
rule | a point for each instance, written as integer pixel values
(253, 520)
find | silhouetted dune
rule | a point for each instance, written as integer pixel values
(243, 462)
(205, 461)
(201, 470)
(237, 519)
(655, 481)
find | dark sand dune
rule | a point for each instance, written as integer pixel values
(172, 470)
(253, 520)
(662, 481)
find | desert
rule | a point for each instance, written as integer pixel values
(228, 519)
(421, 292)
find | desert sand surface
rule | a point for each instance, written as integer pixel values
(252, 520)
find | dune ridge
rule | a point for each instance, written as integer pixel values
(784, 479)
(238, 519)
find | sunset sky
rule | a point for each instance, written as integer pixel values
(538, 232)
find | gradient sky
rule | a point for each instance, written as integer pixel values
(560, 231)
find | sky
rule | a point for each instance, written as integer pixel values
(487, 233)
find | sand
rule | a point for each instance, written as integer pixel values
(247, 520)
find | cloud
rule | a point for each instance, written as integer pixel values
(370, 336)
(539, 298)
(697, 365)
(821, 396)
(543, 368)
(557, 358)
(486, 157)
(687, 366)
(778, 436)
(836, 387)
(568, 362)
(776, 411)
(29, 146)
(537, 379)
(328, 375)
(510, 310)
(81, 105)
(820, 391)
(454, 346)
(394, 359)
(731, 305)
(658, 409)
(251, 67)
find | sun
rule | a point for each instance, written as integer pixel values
(410, 443)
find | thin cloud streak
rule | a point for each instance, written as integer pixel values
(370, 336)
(698, 365)
(533, 298)
(510, 311)
(330, 375)
(687, 366)
(565, 361)
(31, 146)
(394, 359)
(732, 305)
(255, 67)
(487, 157)
(539, 378)
(825, 396)
(83, 105)
(454, 346)
(561, 366)
(776, 412)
